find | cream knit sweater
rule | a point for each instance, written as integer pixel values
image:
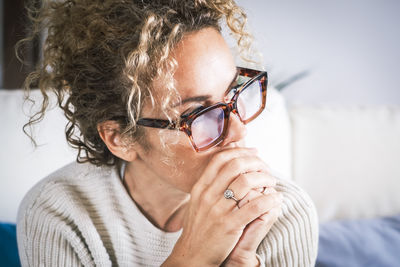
(81, 215)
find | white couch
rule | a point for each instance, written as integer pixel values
(346, 158)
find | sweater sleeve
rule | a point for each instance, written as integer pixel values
(293, 239)
(42, 244)
(47, 236)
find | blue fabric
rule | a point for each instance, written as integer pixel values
(368, 242)
(8, 245)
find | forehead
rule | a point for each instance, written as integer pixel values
(205, 64)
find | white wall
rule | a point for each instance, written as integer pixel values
(350, 47)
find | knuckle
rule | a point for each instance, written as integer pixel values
(271, 216)
(243, 181)
(207, 200)
(237, 164)
(219, 157)
(258, 207)
(196, 190)
(226, 154)
(215, 213)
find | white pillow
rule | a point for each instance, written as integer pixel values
(347, 159)
(21, 165)
(271, 134)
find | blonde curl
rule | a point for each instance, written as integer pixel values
(100, 59)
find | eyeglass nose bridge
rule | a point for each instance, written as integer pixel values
(232, 107)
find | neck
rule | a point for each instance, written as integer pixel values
(160, 202)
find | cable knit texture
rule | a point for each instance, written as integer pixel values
(81, 215)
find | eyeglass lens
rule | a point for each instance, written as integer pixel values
(249, 100)
(209, 126)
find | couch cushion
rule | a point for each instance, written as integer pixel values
(271, 134)
(8, 246)
(347, 159)
(22, 165)
(366, 242)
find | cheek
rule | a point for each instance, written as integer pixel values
(174, 160)
(191, 166)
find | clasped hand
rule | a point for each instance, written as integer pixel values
(219, 231)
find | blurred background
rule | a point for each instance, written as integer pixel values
(345, 51)
(349, 49)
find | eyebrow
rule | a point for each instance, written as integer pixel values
(203, 98)
(200, 98)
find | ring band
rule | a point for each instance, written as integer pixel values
(228, 194)
(263, 191)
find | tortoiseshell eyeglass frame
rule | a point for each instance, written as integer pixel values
(184, 124)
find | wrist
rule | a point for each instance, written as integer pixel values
(175, 262)
(180, 257)
(244, 262)
(177, 259)
(172, 262)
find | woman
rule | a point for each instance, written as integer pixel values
(158, 108)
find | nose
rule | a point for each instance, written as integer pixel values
(236, 130)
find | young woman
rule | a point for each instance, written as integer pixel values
(157, 109)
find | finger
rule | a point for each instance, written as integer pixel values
(255, 208)
(230, 205)
(216, 163)
(240, 187)
(260, 227)
(268, 190)
(252, 194)
(251, 180)
(272, 215)
(233, 169)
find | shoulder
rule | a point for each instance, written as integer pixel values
(296, 200)
(69, 179)
(71, 185)
(293, 239)
(60, 208)
(299, 215)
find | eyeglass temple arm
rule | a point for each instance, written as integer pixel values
(156, 123)
(248, 72)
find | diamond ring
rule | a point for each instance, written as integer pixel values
(228, 194)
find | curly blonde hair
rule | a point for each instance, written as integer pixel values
(101, 57)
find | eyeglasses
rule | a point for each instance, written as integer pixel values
(207, 127)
